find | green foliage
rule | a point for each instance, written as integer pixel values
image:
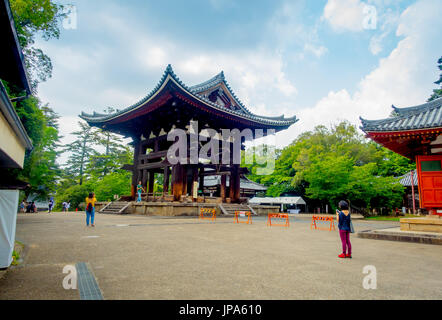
(89, 169)
(81, 152)
(34, 17)
(330, 164)
(40, 169)
(115, 183)
(73, 193)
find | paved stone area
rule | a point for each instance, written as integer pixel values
(139, 257)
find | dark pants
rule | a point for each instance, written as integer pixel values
(345, 239)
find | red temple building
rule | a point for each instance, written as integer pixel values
(172, 104)
(416, 133)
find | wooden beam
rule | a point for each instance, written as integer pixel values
(154, 165)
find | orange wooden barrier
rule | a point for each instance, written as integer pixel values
(207, 211)
(278, 216)
(322, 218)
(243, 214)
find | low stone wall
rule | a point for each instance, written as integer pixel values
(427, 224)
(184, 209)
(98, 205)
(265, 210)
(168, 208)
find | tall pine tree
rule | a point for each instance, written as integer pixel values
(81, 151)
(437, 93)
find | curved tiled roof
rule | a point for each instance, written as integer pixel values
(424, 116)
(405, 180)
(194, 92)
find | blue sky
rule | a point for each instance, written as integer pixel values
(314, 59)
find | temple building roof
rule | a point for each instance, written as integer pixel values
(213, 96)
(424, 116)
(409, 131)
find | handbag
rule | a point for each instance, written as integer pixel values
(352, 229)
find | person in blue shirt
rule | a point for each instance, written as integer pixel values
(139, 191)
(344, 221)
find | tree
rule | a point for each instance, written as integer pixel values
(81, 151)
(330, 164)
(115, 154)
(437, 93)
(40, 168)
(33, 17)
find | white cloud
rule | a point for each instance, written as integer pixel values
(404, 78)
(344, 15)
(287, 27)
(318, 51)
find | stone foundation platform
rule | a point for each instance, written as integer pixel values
(178, 208)
(396, 234)
(426, 224)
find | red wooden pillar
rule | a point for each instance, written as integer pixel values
(412, 191)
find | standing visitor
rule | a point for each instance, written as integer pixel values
(51, 204)
(139, 191)
(63, 206)
(68, 205)
(345, 228)
(33, 207)
(90, 209)
(22, 206)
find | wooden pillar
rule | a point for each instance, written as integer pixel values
(194, 183)
(166, 180)
(223, 187)
(201, 185)
(234, 184)
(177, 181)
(143, 178)
(185, 191)
(135, 170)
(151, 181)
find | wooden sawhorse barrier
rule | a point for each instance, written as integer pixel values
(284, 216)
(207, 214)
(243, 214)
(322, 218)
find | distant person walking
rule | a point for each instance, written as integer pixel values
(50, 204)
(90, 209)
(139, 191)
(68, 205)
(22, 206)
(33, 207)
(345, 228)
